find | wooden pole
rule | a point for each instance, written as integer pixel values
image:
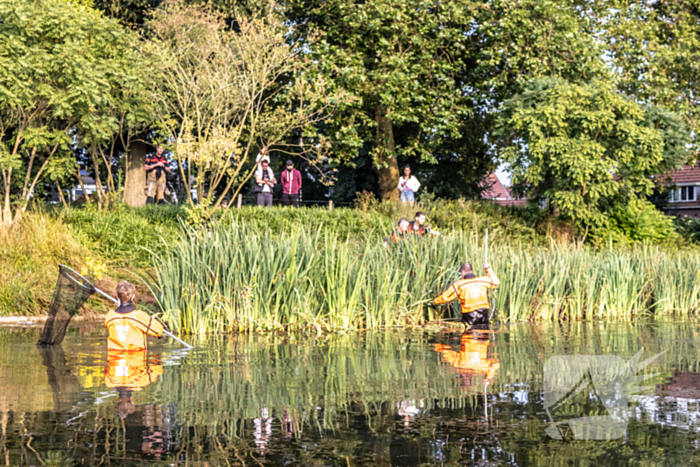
(330, 205)
(240, 200)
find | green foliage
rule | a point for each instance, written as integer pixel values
(237, 278)
(59, 68)
(636, 221)
(126, 237)
(565, 143)
(29, 256)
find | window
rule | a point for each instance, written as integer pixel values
(683, 194)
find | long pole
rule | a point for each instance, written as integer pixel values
(486, 243)
(109, 297)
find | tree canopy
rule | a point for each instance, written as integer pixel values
(586, 101)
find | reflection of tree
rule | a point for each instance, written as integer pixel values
(329, 398)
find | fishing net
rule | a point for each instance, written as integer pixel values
(72, 291)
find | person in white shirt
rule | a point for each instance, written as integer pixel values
(408, 185)
(264, 181)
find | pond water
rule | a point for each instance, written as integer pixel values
(521, 395)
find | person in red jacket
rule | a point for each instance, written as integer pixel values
(291, 184)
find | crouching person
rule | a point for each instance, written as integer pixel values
(127, 326)
(472, 292)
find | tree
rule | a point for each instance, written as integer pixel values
(398, 60)
(57, 69)
(578, 147)
(221, 95)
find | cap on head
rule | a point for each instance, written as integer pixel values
(125, 291)
(289, 163)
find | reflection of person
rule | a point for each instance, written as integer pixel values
(291, 184)
(472, 358)
(264, 182)
(127, 326)
(472, 292)
(128, 372)
(409, 409)
(263, 430)
(398, 234)
(408, 186)
(156, 166)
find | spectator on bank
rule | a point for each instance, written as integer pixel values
(291, 184)
(263, 154)
(264, 182)
(408, 186)
(156, 166)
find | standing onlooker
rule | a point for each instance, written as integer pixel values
(156, 166)
(408, 185)
(264, 181)
(291, 184)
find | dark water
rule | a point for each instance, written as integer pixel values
(440, 397)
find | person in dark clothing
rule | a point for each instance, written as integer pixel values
(291, 184)
(156, 167)
(264, 182)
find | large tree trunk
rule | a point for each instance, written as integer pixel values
(387, 165)
(135, 180)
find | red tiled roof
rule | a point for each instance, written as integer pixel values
(687, 174)
(495, 189)
(499, 194)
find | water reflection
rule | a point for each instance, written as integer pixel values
(472, 360)
(384, 399)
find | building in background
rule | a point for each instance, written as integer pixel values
(684, 195)
(497, 192)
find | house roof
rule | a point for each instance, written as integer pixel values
(686, 174)
(498, 193)
(494, 188)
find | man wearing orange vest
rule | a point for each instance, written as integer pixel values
(472, 292)
(127, 326)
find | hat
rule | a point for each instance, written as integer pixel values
(288, 163)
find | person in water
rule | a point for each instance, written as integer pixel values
(472, 292)
(127, 326)
(472, 358)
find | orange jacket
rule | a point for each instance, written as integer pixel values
(130, 370)
(128, 328)
(472, 292)
(472, 357)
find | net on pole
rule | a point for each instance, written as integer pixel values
(72, 291)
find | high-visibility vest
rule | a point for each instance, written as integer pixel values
(128, 328)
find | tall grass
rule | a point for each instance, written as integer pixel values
(234, 278)
(29, 256)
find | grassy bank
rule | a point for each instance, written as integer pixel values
(282, 268)
(234, 278)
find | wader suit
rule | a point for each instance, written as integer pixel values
(472, 292)
(128, 328)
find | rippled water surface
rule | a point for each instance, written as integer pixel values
(515, 396)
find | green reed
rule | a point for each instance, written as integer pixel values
(233, 278)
